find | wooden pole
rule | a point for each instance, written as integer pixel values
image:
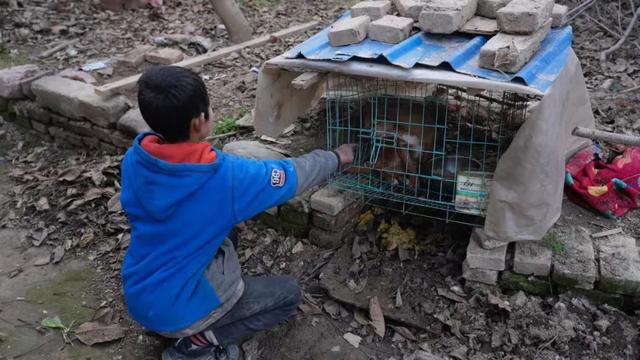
(612, 138)
(232, 17)
(131, 81)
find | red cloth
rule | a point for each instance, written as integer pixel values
(184, 152)
(611, 189)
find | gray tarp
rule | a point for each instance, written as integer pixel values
(526, 194)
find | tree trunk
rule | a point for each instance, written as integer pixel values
(232, 17)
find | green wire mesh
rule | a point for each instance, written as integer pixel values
(422, 149)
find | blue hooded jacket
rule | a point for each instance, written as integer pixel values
(179, 216)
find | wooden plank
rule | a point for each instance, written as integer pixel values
(131, 81)
(305, 80)
(611, 138)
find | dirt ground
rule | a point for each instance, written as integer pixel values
(63, 236)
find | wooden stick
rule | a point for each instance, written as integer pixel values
(131, 81)
(604, 54)
(606, 233)
(58, 47)
(612, 138)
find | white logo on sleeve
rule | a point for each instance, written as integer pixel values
(277, 178)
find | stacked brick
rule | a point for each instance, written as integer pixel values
(68, 111)
(607, 268)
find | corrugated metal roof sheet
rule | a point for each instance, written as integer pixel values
(459, 51)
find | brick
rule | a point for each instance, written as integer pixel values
(409, 8)
(101, 133)
(481, 26)
(373, 9)
(349, 31)
(619, 265)
(77, 75)
(480, 258)
(328, 239)
(31, 111)
(489, 8)
(132, 123)
(524, 16)
(575, 265)
(446, 16)
(64, 136)
(391, 29)
(328, 222)
(489, 277)
(12, 79)
(164, 56)
(330, 201)
(509, 53)
(78, 100)
(135, 57)
(559, 15)
(83, 128)
(58, 120)
(39, 127)
(532, 258)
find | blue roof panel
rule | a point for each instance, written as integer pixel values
(461, 52)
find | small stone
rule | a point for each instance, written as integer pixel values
(479, 258)
(330, 201)
(524, 16)
(12, 79)
(559, 15)
(78, 76)
(390, 29)
(78, 100)
(575, 267)
(446, 16)
(164, 56)
(409, 8)
(532, 258)
(132, 123)
(509, 53)
(619, 265)
(489, 277)
(602, 325)
(135, 57)
(489, 8)
(349, 31)
(373, 9)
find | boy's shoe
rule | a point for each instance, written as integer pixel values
(231, 352)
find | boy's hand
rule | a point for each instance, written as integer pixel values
(346, 153)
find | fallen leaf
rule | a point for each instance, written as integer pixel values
(42, 204)
(114, 203)
(451, 296)
(52, 322)
(352, 339)
(502, 304)
(360, 317)
(91, 333)
(58, 253)
(459, 353)
(90, 195)
(103, 315)
(406, 333)
(87, 238)
(70, 174)
(38, 237)
(42, 261)
(398, 298)
(332, 308)
(298, 247)
(377, 318)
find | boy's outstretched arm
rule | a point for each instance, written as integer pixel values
(261, 185)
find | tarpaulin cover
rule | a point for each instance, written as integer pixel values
(458, 51)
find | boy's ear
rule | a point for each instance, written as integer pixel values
(198, 123)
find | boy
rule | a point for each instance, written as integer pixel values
(181, 275)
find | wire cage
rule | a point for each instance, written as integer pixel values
(422, 149)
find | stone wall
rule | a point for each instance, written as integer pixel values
(68, 111)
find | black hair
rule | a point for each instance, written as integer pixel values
(169, 98)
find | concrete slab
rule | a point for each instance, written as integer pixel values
(619, 265)
(391, 29)
(509, 53)
(446, 16)
(349, 31)
(373, 9)
(532, 258)
(489, 8)
(574, 265)
(524, 16)
(480, 258)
